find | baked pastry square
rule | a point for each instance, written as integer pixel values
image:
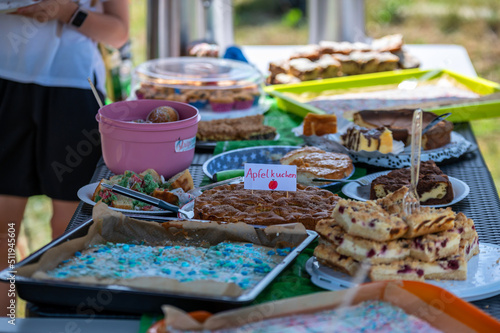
(469, 247)
(464, 226)
(361, 249)
(451, 268)
(407, 269)
(368, 220)
(304, 69)
(326, 255)
(330, 231)
(435, 246)
(428, 220)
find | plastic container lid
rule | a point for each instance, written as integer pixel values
(211, 73)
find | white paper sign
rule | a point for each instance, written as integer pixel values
(271, 177)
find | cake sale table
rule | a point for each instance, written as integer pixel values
(482, 204)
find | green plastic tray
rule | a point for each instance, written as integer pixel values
(460, 113)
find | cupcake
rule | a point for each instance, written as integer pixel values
(221, 102)
(176, 98)
(243, 101)
(197, 98)
(254, 91)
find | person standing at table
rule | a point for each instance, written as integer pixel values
(49, 141)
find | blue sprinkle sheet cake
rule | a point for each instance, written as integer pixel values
(243, 264)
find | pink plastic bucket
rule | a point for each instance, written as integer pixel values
(166, 147)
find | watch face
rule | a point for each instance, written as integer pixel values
(79, 18)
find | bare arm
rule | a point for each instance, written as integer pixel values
(111, 27)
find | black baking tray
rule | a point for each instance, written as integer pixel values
(91, 299)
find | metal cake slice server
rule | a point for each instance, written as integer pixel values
(435, 121)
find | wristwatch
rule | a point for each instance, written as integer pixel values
(78, 17)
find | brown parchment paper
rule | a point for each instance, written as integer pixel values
(112, 226)
(389, 291)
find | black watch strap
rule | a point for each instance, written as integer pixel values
(78, 18)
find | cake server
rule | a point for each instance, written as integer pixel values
(360, 181)
(435, 121)
(411, 200)
(147, 199)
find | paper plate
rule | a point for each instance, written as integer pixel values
(483, 276)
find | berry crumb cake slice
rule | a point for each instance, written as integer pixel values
(368, 220)
(435, 246)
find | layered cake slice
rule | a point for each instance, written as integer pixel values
(435, 246)
(428, 221)
(283, 78)
(376, 139)
(310, 52)
(469, 247)
(328, 256)
(407, 269)
(464, 227)
(450, 268)
(361, 249)
(329, 230)
(330, 67)
(387, 62)
(368, 220)
(304, 69)
(434, 187)
(399, 122)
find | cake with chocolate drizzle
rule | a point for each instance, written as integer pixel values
(399, 122)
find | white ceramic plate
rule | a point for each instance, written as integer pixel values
(362, 193)
(85, 194)
(8, 6)
(483, 276)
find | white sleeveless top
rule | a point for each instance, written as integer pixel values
(48, 54)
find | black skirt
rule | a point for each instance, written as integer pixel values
(49, 140)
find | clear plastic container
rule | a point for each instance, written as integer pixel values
(217, 87)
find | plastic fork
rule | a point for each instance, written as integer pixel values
(361, 181)
(411, 200)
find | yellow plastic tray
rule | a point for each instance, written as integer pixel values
(460, 113)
